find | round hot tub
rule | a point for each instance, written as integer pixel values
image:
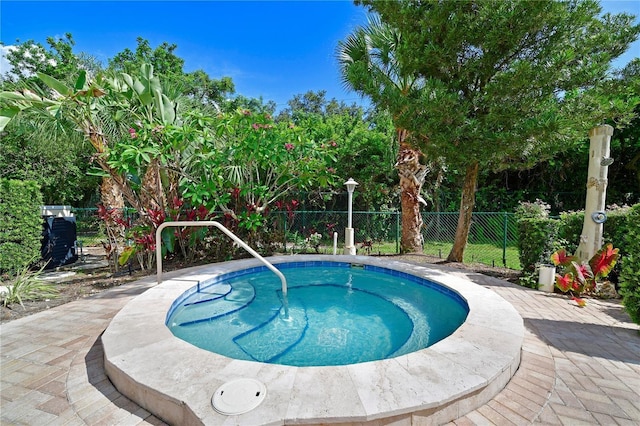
(448, 373)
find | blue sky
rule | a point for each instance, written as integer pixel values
(270, 49)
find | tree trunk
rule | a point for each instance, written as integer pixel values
(467, 203)
(412, 175)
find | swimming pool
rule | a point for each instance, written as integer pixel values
(338, 314)
(177, 381)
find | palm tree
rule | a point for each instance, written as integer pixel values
(368, 65)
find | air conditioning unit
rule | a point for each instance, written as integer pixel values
(57, 211)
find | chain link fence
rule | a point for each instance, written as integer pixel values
(492, 238)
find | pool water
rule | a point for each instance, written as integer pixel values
(337, 314)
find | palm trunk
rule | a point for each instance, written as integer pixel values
(467, 203)
(117, 190)
(411, 239)
(412, 175)
(152, 195)
(111, 194)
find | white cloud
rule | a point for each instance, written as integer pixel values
(5, 66)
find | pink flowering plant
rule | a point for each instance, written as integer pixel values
(577, 278)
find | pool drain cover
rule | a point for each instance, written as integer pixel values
(238, 396)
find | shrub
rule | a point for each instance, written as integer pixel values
(20, 224)
(535, 210)
(570, 229)
(27, 285)
(536, 236)
(630, 274)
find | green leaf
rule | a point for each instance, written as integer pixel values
(54, 110)
(126, 254)
(54, 84)
(12, 96)
(82, 79)
(6, 114)
(146, 70)
(127, 79)
(95, 171)
(168, 239)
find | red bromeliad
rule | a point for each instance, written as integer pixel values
(576, 277)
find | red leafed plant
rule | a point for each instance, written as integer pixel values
(577, 277)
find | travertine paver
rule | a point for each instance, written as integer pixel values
(579, 365)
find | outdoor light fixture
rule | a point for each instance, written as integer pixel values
(349, 247)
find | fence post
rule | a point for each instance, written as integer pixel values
(284, 234)
(504, 240)
(397, 232)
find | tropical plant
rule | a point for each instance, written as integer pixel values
(577, 277)
(27, 285)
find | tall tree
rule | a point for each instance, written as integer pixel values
(368, 65)
(507, 83)
(57, 60)
(37, 146)
(197, 85)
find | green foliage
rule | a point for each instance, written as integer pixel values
(630, 275)
(243, 162)
(27, 285)
(57, 60)
(535, 242)
(570, 229)
(615, 228)
(20, 224)
(57, 160)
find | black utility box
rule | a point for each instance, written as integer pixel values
(58, 236)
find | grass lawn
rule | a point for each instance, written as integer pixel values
(488, 254)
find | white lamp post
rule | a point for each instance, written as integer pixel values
(349, 247)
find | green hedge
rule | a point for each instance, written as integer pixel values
(20, 224)
(630, 260)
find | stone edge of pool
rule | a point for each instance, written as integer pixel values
(176, 380)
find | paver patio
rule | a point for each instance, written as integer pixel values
(579, 365)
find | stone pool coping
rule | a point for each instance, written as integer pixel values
(176, 380)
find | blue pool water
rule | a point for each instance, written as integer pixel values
(337, 314)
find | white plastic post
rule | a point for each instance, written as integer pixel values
(547, 278)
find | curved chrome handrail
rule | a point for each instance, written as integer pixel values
(230, 234)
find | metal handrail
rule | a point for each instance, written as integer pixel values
(230, 234)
